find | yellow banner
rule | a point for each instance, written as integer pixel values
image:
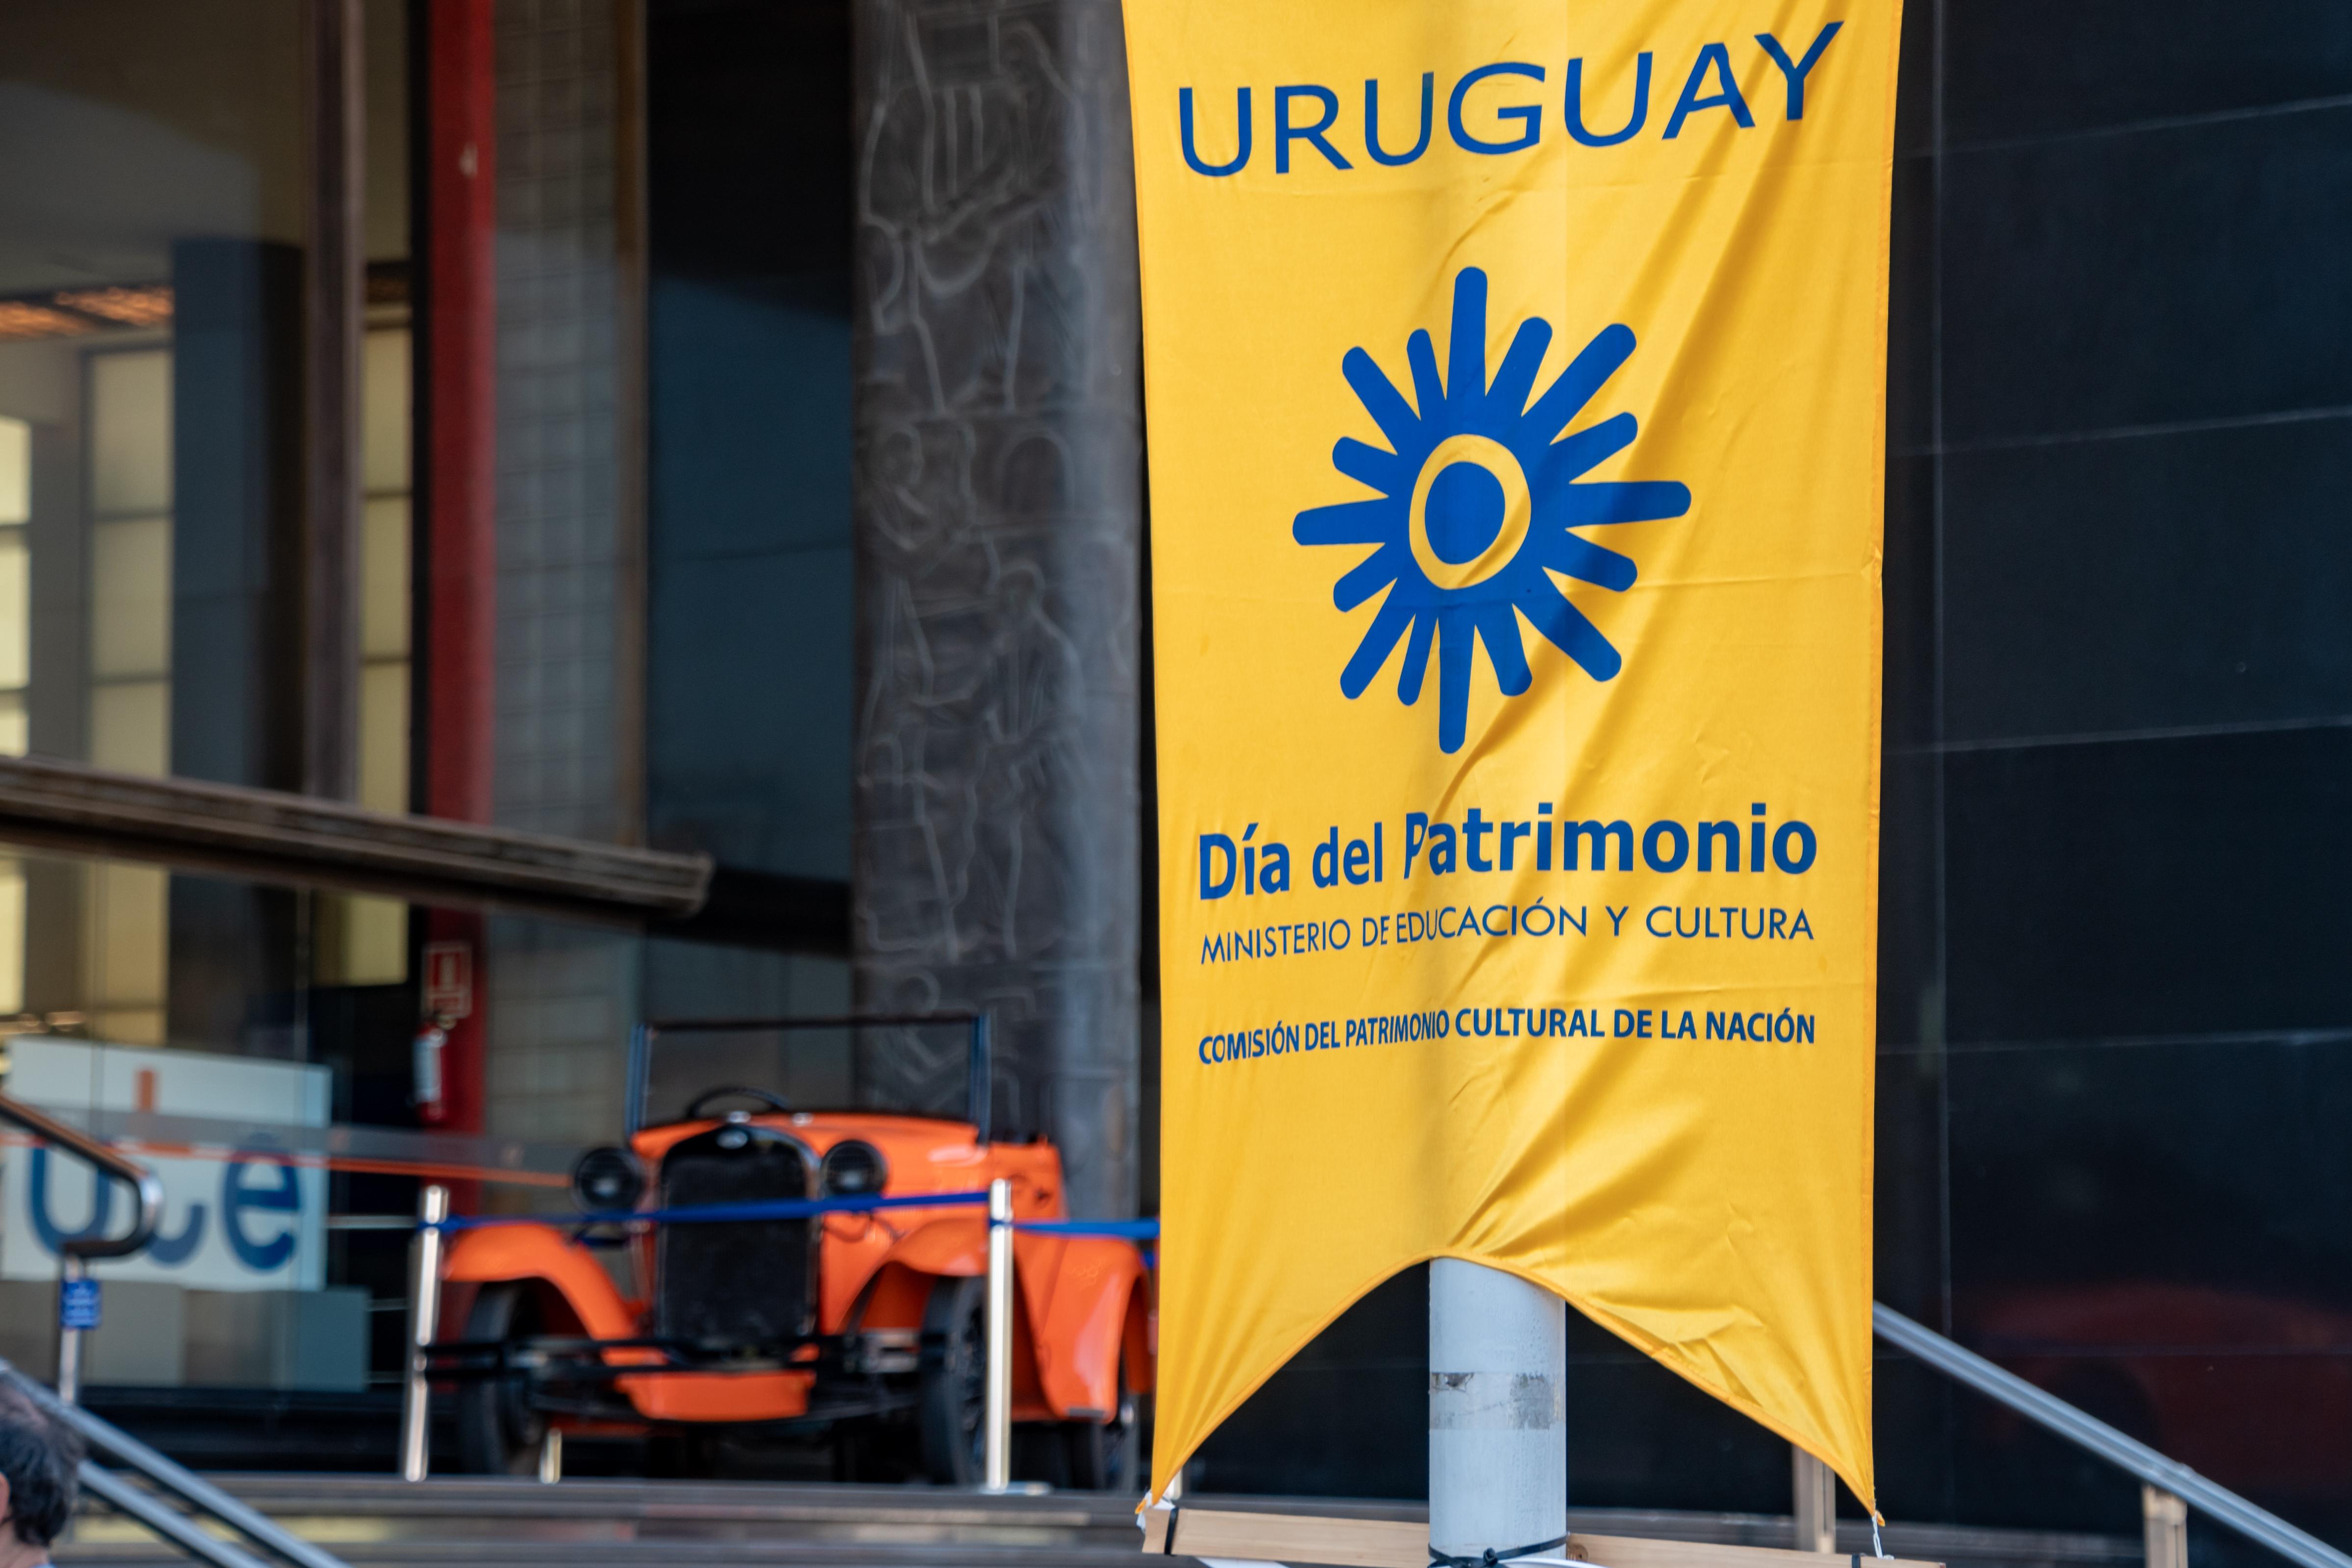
(1515, 374)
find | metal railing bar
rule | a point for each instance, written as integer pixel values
(162, 1519)
(73, 1141)
(2218, 1502)
(820, 1021)
(174, 1478)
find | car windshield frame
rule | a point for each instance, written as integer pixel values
(977, 1094)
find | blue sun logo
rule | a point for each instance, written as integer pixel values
(1477, 507)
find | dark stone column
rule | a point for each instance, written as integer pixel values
(237, 620)
(998, 510)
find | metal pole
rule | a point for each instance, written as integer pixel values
(1497, 1418)
(1814, 1514)
(424, 1320)
(998, 1464)
(2217, 1503)
(71, 1271)
(980, 1092)
(2164, 1528)
(641, 1055)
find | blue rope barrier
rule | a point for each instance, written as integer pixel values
(711, 1214)
(806, 1208)
(1126, 1229)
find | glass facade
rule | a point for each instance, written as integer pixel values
(156, 215)
(151, 423)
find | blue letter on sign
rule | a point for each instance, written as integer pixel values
(53, 1236)
(1799, 70)
(1184, 118)
(1528, 115)
(283, 1197)
(1717, 56)
(1576, 130)
(1284, 132)
(1215, 884)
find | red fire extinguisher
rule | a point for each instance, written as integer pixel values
(431, 1037)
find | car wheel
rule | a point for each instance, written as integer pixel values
(1108, 1456)
(498, 1434)
(954, 1395)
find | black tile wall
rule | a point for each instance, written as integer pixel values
(2183, 580)
(2191, 274)
(1910, 957)
(2156, 887)
(2019, 69)
(2189, 1193)
(1910, 586)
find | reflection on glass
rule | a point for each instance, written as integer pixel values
(16, 611)
(364, 942)
(128, 974)
(384, 414)
(384, 582)
(12, 936)
(130, 599)
(131, 433)
(15, 472)
(153, 219)
(15, 635)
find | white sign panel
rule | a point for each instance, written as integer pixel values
(242, 1219)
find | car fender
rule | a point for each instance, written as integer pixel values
(501, 1254)
(1085, 1303)
(955, 1246)
(1085, 1307)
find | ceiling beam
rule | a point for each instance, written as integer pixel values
(270, 836)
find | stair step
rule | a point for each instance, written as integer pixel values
(465, 1521)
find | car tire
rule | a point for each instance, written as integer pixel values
(954, 1388)
(498, 1434)
(1108, 1456)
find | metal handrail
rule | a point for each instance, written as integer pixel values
(89, 1151)
(2087, 1432)
(73, 1265)
(168, 1475)
(165, 1521)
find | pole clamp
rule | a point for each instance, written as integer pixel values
(1489, 1558)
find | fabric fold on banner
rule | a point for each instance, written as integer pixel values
(1515, 382)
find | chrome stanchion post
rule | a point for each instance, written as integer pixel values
(2164, 1528)
(998, 1412)
(424, 1315)
(71, 1271)
(1814, 1512)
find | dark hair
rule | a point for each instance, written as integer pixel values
(41, 1457)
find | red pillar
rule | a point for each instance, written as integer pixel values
(461, 406)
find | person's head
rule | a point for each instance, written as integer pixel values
(40, 1458)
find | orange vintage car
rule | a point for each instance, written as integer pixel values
(865, 1327)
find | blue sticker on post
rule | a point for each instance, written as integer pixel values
(77, 1304)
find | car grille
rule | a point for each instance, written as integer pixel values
(729, 1284)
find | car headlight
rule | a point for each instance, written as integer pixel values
(607, 1179)
(852, 1169)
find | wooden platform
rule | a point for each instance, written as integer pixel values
(1326, 1541)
